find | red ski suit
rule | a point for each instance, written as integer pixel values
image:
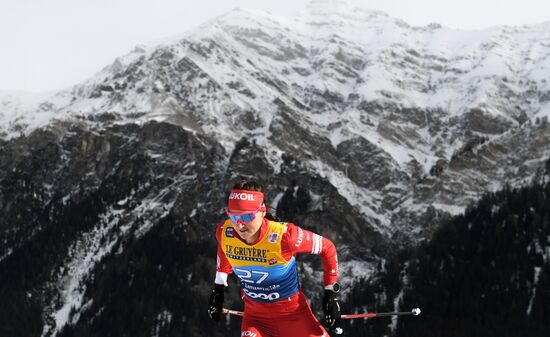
(276, 307)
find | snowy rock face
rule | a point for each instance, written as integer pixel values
(400, 119)
(364, 128)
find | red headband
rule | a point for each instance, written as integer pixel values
(243, 200)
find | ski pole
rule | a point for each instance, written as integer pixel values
(232, 312)
(415, 312)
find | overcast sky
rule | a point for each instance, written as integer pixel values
(52, 44)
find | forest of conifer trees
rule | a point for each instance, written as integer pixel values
(485, 273)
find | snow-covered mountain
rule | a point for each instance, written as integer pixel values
(364, 128)
(399, 118)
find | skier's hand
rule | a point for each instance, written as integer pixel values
(331, 309)
(215, 304)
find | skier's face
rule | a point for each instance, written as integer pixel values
(250, 231)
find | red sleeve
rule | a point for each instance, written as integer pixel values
(222, 264)
(297, 240)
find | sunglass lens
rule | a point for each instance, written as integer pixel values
(247, 217)
(234, 218)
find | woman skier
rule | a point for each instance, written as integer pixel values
(260, 251)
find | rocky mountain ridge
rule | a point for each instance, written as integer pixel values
(331, 86)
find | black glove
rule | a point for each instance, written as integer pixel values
(215, 304)
(331, 309)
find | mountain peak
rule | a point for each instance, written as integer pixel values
(348, 14)
(238, 14)
(349, 7)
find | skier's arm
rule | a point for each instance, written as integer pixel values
(297, 240)
(223, 268)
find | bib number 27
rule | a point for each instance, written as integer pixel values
(253, 276)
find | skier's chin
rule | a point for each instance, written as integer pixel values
(244, 235)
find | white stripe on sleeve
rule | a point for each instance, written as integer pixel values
(221, 278)
(317, 244)
(314, 248)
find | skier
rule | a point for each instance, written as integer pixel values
(260, 251)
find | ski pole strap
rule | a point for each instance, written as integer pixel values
(415, 312)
